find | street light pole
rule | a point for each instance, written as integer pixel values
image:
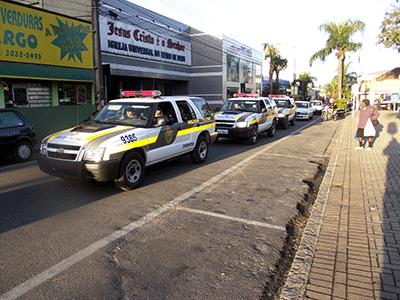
(98, 68)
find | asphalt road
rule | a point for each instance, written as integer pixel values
(212, 231)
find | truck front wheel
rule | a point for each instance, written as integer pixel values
(131, 172)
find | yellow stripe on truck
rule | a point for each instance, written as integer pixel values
(195, 129)
(137, 144)
(57, 133)
(103, 133)
(253, 122)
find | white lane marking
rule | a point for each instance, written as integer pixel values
(68, 262)
(16, 166)
(235, 219)
(29, 184)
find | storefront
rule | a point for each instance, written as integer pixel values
(46, 64)
(242, 68)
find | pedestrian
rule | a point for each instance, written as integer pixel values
(366, 125)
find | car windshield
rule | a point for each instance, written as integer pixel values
(131, 114)
(316, 103)
(302, 105)
(282, 103)
(240, 105)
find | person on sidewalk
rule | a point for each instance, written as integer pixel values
(368, 118)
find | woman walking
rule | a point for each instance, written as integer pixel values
(366, 130)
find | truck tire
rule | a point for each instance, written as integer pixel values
(252, 139)
(200, 151)
(131, 171)
(293, 121)
(272, 130)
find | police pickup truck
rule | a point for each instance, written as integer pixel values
(245, 116)
(129, 134)
(286, 110)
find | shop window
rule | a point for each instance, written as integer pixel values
(72, 94)
(186, 110)
(20, 96)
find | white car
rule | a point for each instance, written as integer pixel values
(304, 110)
(129, 134)
(317, 106)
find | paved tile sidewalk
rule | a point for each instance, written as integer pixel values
(357, 254)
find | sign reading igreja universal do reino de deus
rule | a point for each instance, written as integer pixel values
(130, 40)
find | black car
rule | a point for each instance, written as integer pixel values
(16, 134)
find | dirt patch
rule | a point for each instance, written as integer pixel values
(294, 229)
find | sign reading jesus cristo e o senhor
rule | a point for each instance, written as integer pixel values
(129, 40)
(29, 35)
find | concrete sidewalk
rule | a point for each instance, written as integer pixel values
(351, 245)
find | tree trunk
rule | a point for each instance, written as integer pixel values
(271, 74)
(341, 58)
(277, 82)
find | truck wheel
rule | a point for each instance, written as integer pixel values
(285, 124)
(200, 151)
(23, 151)
(272, 130)
(131, 172)
(252, 139)
(293, 121)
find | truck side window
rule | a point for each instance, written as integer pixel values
(203, 106)
(166, 111)
(262, 106)
(186, 110)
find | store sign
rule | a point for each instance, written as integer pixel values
(240, 50)
(126, 39)
(33, 36)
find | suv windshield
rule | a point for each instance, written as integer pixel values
(241, 105)
(302, 105)
(131, 114)
(282, 103)
(316, 103)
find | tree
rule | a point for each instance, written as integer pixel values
(270, 52)
(339, 41)
(304, 80)
(349, 79)
(279, 64)
(390, 29)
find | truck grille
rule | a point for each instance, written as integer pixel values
(64, 152)
(224, 124)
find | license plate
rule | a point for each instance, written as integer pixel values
(222, 131)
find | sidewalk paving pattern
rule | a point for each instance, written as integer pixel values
(357, 254)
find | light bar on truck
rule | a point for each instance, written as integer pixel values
(278, 96)
(149, 93)
(236, 95)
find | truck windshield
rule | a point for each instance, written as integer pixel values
(241, 105)
(283, 103)
(131, 114)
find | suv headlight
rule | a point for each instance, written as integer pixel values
(242, 124)
(95, 155)
(43, 147)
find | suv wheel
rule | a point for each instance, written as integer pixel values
(272, 130)
(253, 136)
(131, 172)
(23, 151)
(285, 123)
(293, 121)
(200, 151)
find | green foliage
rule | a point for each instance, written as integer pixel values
(390, 29)
(341, 103)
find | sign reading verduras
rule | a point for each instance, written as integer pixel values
(33, 36)
(126, 39)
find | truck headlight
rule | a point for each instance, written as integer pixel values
(281, 115)
(242, 124)
(95, 155)
(43, 147)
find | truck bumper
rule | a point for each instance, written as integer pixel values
(101, 171)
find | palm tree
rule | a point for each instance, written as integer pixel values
(304, 80)
(339, 41)
(280, 64)
(270, 52)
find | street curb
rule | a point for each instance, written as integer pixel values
(296, 281)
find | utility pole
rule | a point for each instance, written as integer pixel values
(98, 68)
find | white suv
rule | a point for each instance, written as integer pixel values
(129, 134)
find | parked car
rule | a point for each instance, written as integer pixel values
(286, 110)
(317, 106)
(246, 116)
(16, 134)
(128, 135)
(304, 110)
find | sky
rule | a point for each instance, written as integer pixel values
(291, 25)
